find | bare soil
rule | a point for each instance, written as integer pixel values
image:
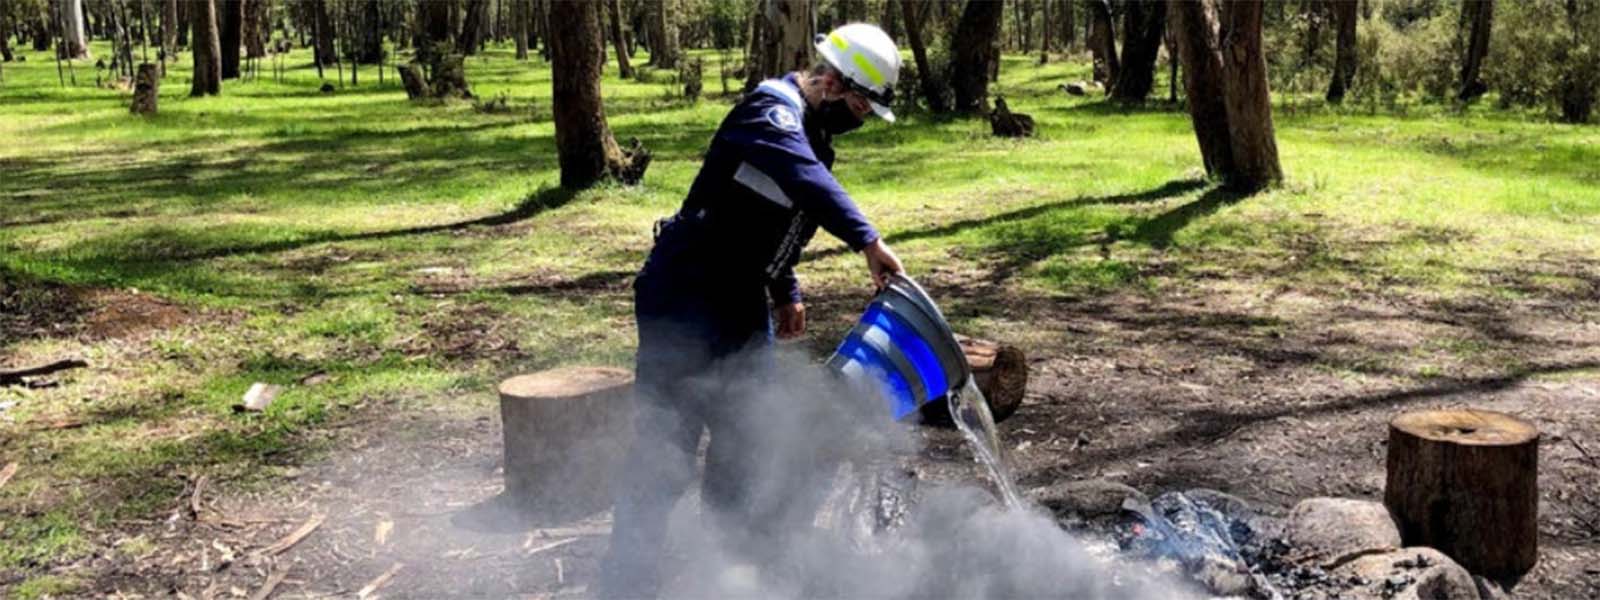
(1268, 393)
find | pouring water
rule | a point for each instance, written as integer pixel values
(970, 410)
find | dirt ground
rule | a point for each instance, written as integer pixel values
(1274, 396)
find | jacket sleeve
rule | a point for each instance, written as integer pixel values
(784, 287)
(786, 159)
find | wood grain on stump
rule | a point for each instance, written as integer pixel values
(1001, 372)
(1466, 482)
(566, 431)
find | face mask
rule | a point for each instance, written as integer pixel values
(837, 118)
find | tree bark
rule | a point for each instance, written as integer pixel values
(563, 438)
(1344, 58)
(1249, 102)
(256, 28)
(471, 37)
(785, 39)
(74, 41)
(231, 26)
(1482, 15)
(1143, 25)
(519, 26)
(433, 29)
(1194, 23)
(663, 35)
(369, 49)
(5, 32)
(322, 30)
(1103, 42)
(207, 49)
(614, 7)
(586, 150)
(1044, 33)
(914, 14)
(1466, 483)
(974, 53)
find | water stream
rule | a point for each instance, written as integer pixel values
(970, 410)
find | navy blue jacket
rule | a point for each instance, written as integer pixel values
(763, 190)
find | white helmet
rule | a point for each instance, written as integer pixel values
(869, 61)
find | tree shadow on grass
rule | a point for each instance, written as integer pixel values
(1158, 232)
(1166, 191)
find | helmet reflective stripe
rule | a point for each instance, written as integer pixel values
(868, 60)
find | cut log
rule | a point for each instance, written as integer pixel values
(1001, 372)
(1466, 482)
(566, 431)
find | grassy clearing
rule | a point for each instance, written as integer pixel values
(411, 254)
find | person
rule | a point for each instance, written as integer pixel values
(702, 298)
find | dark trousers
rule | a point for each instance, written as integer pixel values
(693, 340)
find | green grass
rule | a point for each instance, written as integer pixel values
(415, 253)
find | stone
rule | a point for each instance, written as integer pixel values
(1417, 573)
(1077, 500)
(1329, 532)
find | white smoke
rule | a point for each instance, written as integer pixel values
(828, 459)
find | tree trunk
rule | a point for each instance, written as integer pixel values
(1344, 58)
(932, 84)
(617, 39)
(891, 18)
(1069, 29)
(973, 54)
(322, 29)
(74, 41)
(472, 27)
(1482, 15)
(1143, 25)
(370, 49)
(519, 26)
(5, 32)
(1249, 102)
(207, 49)
(1044, 33)
(565, 433)
(185, 19)
(585, 147)
(434, 30)
(1103, 42)
(1194, 23)
(1466, 483)
(231, 28)
(256, 29)
(663, 35)
(785, 39)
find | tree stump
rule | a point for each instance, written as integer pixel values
(566, 431)
(450, 77)
(146, 89)
(1466, 482)
(1001, 372)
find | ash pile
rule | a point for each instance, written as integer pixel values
(1323, 549)
(1196, 543)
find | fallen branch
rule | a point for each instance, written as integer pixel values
(6, 473)
(549, 546)
(294, 538)
(196, 503)
(15, 376)
(272, 583)
(381, 580)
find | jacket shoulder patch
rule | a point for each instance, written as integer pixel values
(783, 118)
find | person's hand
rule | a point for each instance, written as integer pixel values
(881, 262)
(791, 321)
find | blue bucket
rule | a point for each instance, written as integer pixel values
(904, 348)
